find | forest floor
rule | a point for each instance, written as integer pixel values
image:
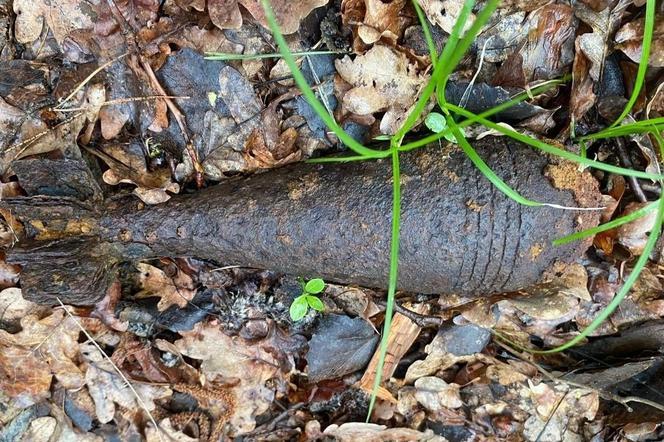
(109, 99)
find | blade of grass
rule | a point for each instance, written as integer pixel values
(629, 282)
(439, 72)
(486, 114)
(309, 93)
(551, 149)
(485, 169)
(227, 56)
(460, 49)
(649, 25)
(627, 129)
(433, 51)
(392, 284)
(607, 226)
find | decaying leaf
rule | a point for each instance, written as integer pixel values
(61, 17)
(560, 412)
(340, 345)
(56, 339)
(548, 50)
(629, 39)
(107, 388)
(225, 13)
(354, 431)
(445, 13)
(227, 358)
(171, 291)
(634, 235)
(381, 80)
(127, 165)
(435, 394)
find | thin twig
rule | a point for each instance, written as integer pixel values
(422, 321)
(627, 163)
(120, 101)
(115, 367)
(87, 80)
(623, 400)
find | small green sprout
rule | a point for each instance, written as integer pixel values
(437, 123)
(307, 299)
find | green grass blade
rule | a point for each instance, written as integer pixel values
(607, 226)
(228, 56)
(522, 96)
(462, 46)
(345, 159)
(649, 25)
(436, 76)
(392, 284)
(485, 169)
(554, 150)
(433, 51)
(309, 93)
(627, 129)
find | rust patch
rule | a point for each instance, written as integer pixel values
(301, 187)
(474, 205)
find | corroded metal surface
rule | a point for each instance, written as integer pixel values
(458, 233)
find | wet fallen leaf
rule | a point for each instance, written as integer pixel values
(547, 51)
(107, 388)
(154, 282)
(340, 345)
(225, 13)
(382, 80)
(634, 235)
(354, 431)
(62, 18)
(227, 358)
(629, 39)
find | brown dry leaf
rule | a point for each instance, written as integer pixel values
(561, 412)
(634, 235)
(24, 378)
(381, 80)
(582, 96)
(366, 432)
(127, 165)
(629, 39)
(445, 13)
(13, 307)
(380, 20)
(62, 17)
(223, 358)
(166, 428)
(225, 13)
(23, 134)
(55, 339)
(435, 394)
(154, 282)
(107, 388)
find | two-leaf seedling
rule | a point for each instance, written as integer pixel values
(307, 299)
(437, 123)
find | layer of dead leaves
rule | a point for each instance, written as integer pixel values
(235, 365)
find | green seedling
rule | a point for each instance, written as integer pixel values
(308, 299)
(437, 123)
